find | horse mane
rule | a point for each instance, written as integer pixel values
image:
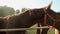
(58, 15)
(19, 14)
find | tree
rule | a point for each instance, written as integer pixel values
(1, 12)
(17, 11)
(23, 9)
(4, 11)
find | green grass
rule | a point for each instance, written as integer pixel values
(50, 31)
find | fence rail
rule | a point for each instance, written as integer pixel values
(18, 29)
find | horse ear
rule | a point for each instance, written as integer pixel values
(49, 6)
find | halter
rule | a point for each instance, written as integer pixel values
(45, 18)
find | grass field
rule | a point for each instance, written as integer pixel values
(50, 31)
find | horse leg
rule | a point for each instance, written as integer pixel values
(44, 31)
(38, 30)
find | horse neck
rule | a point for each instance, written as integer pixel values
(27, 19)
(24, 19)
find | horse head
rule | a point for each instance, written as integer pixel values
(38, 13)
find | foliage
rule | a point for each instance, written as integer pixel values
(4, 11)
(23, 9)
(17, 11)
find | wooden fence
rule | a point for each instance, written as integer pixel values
(18, 29)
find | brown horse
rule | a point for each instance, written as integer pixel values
(24, 20)
(45, 16)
